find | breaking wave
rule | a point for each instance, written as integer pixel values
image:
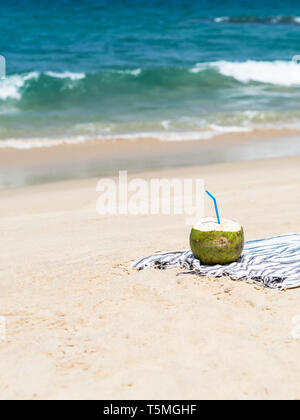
(52, 88)
(281, 73)
(168, 104)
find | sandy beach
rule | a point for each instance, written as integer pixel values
(80, 324)
(153, 94)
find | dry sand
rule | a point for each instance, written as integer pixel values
(79, 325)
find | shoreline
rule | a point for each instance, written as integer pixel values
(132, 146)
(105, 158)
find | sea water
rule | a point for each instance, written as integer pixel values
(175, 70)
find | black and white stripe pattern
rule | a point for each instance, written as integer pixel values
(275, 262)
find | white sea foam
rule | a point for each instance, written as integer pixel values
(229, 129)
(66, 75)
(282, 73)
(170, 136)
(221, 19)
(205, 134)
(200, 67)
(163, 135)
(276, 73)
(208, 132)
(166, 124)
(10, 87)
(135, 72)
(26, 144)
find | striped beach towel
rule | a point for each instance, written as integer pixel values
(275, 262)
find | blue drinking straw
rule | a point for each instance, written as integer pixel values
(216, 205)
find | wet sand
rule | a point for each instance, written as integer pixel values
(100, 158)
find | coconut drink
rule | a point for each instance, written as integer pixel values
(217, 242)
(214, 241)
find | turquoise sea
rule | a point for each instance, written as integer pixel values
(172, 70)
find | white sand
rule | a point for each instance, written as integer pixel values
(79, 325)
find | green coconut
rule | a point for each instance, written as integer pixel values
(214, 243)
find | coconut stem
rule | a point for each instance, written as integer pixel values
(216, 206)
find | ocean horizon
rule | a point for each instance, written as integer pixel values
(176, 71)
